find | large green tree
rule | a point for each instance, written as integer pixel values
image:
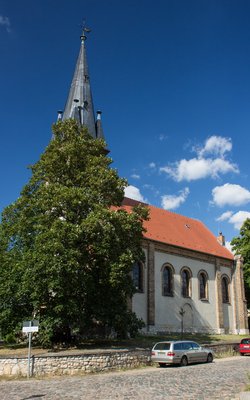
(241, 245)
(66, 248)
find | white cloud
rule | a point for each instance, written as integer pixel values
(198, 168)
(135, 176)
(163, 137)
(216, 145)
(230, 194)
(239, 218)
(201, 167)
(170, 202)
(152, 165)
(228, 246)
(134, 193)
(225, 216)
(236, 219)
(4, 21)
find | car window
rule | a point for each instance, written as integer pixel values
(195, 346)
(186, 345)
(162, 346)
(178, 346)
(245, 341)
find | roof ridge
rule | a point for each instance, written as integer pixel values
(175, 213)
(170, 227)
(160, 208)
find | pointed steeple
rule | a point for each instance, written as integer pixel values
(79, 105)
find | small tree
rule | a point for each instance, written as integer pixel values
(66, 248)
(241, 245)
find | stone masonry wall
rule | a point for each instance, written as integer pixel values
(86, 363)
(74, 364)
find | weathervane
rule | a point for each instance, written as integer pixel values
(84, 30)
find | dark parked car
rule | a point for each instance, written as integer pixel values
(181, 352)
(244, 346)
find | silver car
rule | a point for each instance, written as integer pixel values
(181, 352)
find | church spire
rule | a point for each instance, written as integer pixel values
(79, 105)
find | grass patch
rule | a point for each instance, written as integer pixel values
(141, 341)
(225, 354)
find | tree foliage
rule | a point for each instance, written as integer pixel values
(241, 245)
(66, 246)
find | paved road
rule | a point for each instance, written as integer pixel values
(223, 379)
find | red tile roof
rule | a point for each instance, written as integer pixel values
(177, 230)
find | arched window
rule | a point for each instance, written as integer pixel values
(186, 282)
(225, 289)
(203, 285)
(167, 280)
(137, 276)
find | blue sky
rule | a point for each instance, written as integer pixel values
(172, 78)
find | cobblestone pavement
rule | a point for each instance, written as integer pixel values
(223, 379)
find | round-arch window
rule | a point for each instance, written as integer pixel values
(167, 281)
(137, 276)
(203, 285)
(185, 283)
(225, 289)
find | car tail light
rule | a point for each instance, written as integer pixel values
(170, 354)
(152, 353)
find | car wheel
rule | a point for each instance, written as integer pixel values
(162, 365)
(210, 358)
(242, 354)
(184, 361)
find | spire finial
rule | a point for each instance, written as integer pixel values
(83, 37)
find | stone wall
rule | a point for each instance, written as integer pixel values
(224, 348)
(74, 364)
(86, 363)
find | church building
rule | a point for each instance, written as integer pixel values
(189, 281)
